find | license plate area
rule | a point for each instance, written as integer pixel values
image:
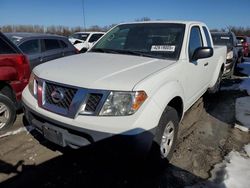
(53, 135)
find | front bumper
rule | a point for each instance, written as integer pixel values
(66, 135)
(85, 130)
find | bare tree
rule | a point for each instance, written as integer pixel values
(142, 19)
(64, 30)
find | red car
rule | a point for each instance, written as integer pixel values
(246, 44)
(14, 76)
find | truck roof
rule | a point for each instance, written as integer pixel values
(166, 21)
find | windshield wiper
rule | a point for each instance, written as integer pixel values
(141, 53)
(104, 50)
(130, 52)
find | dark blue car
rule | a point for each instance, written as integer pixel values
(41, 48)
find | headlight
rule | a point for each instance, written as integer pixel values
(230, 55)
(123, 103)
(33, 85)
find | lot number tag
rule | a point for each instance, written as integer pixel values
(162, 48)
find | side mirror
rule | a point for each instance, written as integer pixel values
(202, 52)
(77, 42)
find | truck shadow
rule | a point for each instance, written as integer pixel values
(98, 165)
(222, 105)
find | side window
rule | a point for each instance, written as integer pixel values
(208, 39)
(51, 44)
(30, 47)
(63, 44)
(5, 48)
(95, 37)
(195, 40)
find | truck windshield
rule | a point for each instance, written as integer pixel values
(157, 40)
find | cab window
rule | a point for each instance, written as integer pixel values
(195, 40)
(209, 44)
(51, 44)
(30, 47)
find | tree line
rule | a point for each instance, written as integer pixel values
(59, 30)
(66, 31)
(239, 31)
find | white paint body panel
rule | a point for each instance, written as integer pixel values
(161, 79)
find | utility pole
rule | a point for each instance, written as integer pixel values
(83, 13)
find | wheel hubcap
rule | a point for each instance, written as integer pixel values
(167, 139)
(4, 115)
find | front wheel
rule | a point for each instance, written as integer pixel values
(166, 135)
(7, 112)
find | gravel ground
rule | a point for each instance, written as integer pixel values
(206, 136)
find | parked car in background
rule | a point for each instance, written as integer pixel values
(229, 40)
(41, 48)
(14, 76)
(246, 44)
(85, 40)
(240, 50)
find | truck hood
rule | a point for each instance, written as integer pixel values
(101, 70)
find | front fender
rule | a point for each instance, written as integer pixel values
(165, 93)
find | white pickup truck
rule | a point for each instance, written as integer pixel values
(135, 83)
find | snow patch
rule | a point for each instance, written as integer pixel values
(233, 172)
(241, 127)
(247, 149)
(242, 112)
(17, 131)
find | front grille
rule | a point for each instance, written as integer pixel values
(68, 95)
(93, 102)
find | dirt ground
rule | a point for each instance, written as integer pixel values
(206, 135)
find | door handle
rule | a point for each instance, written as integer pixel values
(206, 64)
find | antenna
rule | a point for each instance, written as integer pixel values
(83, 13)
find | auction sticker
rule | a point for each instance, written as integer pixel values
(162, 48)
(226, 38)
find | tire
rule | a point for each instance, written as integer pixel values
(232, 71)
(166, 136)
(216, 87)
(7, 112)
(239, 60)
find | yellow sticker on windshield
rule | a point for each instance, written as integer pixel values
(162, 48)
